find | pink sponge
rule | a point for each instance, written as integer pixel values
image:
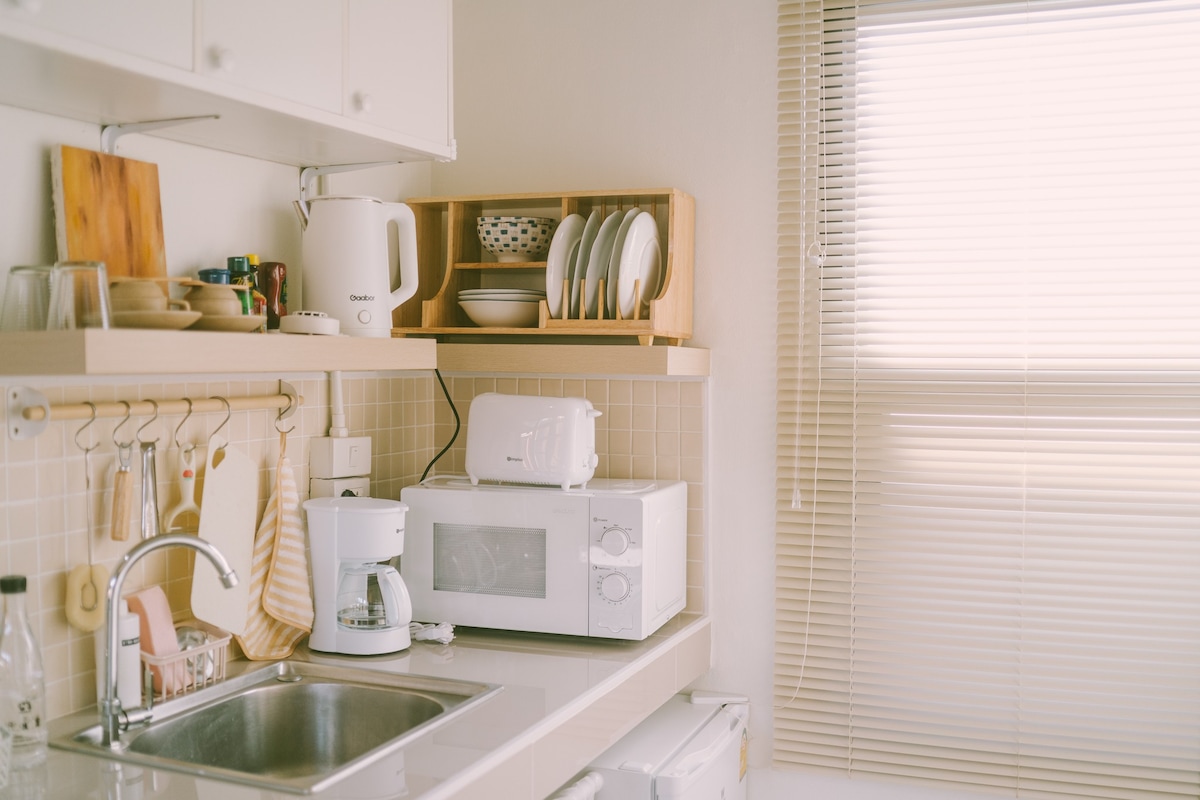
(157, 631)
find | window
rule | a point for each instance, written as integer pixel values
(988, 549)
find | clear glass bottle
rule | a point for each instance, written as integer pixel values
(22, 678)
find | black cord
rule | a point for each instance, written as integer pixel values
(457, 426)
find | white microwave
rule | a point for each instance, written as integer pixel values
(606, 561)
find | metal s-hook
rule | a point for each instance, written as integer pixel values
(284, 413)
(128, 414)
(224, 422)
(87, 425)
(179, 427)
(138, 434)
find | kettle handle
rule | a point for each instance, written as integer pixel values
(406, 237)
(397, 605)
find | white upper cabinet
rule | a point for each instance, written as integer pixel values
(159, 30)
(398, 67)
(291, 49)
(302, 82)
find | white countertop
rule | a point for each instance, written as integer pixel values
(564, 701)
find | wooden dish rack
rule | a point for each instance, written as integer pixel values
(451, 259)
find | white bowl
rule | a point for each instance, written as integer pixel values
(512, 239)
(501, 313)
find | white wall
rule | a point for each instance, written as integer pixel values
(554, 96)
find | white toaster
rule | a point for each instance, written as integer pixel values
(541, 440)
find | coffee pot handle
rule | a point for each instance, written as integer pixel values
(406, 238)
(397, 605)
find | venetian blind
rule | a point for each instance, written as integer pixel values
(988, 546)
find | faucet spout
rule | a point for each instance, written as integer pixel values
(110, 704)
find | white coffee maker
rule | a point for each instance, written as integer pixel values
(361, 606)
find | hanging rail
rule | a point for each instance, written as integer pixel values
(29, 412)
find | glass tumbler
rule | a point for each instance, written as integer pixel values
(26, 299)
(79, 296)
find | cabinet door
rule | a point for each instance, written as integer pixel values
(291, 49)
(398, 67)
(159, 30)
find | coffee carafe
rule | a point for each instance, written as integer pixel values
(371, 597)
(361, 606)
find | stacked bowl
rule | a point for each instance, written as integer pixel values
(501, 308)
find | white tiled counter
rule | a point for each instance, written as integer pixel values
(565, 700)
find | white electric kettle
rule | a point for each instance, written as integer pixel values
(347, 269)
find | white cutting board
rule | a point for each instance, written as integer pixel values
(228, 507)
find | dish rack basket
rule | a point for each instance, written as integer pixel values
(450, 258)
(191, 669)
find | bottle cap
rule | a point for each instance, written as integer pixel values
(12, 584)
(238, 265)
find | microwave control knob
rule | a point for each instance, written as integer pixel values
(614, 541)
(614, 587)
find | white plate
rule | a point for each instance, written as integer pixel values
(515, 294)
(598, 263)
(518, 298)
(640, 261)
(579, 268)
(562, 247)
(501, 290)
(614, 262)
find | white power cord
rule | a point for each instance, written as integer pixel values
(443, 633)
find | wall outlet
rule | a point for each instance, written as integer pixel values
(339, 487)
(339, 457)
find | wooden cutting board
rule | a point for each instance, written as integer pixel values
(107, 208)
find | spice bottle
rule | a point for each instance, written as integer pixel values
(272, 281)
(22, 679)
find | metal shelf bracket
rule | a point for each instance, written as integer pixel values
(110, 133)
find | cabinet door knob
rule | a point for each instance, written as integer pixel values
(364, 102)
(223, 59)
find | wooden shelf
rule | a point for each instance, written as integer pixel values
(574, 359)
(450, 259)
(125, 351)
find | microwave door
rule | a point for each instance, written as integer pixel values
(524, 567)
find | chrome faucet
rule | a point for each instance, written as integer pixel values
(110, 704)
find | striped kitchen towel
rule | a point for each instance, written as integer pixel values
(281, 606)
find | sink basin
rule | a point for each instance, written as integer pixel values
(290, 726)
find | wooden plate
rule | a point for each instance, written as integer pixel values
(163, 320)
(240, 323)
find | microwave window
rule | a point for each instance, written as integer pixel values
(487, 559)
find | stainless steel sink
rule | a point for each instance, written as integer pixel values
(291, 726)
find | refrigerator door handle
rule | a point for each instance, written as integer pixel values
(693, 762)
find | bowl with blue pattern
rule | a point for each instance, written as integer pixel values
(513, 239)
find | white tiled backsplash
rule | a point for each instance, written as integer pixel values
(649, 428)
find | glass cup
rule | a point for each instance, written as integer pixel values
(26, 299)
(79, 296)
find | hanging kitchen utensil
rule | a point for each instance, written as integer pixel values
(228, 507)
(185, 472)
(281, 606)
(150, 522)
(107, 208)
(122, 484)
(86, 583)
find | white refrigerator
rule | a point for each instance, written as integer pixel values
(693, 748)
